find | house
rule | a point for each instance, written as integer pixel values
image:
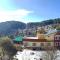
(57, 40)
(49, 43)
(37, 43)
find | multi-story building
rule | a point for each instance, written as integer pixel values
(57, 39)
(39, 42)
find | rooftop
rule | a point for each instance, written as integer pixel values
(18, 38)
(30, 37)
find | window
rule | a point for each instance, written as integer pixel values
(59, 43)
(56, 43)
(55, 38)
(34, 44)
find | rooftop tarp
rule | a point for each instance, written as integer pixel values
(18, 38)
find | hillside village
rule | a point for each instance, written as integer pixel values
(41, 41)
(29, 29)
(43, 38)
(46, 38)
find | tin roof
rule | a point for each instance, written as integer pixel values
(18, 38)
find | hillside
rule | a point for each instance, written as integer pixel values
(11, 26)
(43, 23)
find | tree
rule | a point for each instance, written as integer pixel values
(7, 47)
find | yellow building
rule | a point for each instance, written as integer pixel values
(48, 43)
(40, 34)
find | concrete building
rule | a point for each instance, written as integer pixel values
(39, 42)
(57, 39)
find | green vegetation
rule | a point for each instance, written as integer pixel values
(43, 23)
(11, 27)
(7, 48)
(11, 36)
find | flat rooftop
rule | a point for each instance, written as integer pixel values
(30, 37)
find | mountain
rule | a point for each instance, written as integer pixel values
(10, 27)
(43, 23)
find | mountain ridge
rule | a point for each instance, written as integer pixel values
(10, 27)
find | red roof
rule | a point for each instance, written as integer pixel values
(35, 40)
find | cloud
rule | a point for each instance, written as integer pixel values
(17, 15)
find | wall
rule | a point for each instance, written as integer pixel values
(38, 44)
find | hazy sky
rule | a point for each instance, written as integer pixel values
(29, 10)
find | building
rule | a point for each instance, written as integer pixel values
(41, 42)
(38, 43)
(57, 39)
(34, 43)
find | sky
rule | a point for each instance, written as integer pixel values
(29, 10)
